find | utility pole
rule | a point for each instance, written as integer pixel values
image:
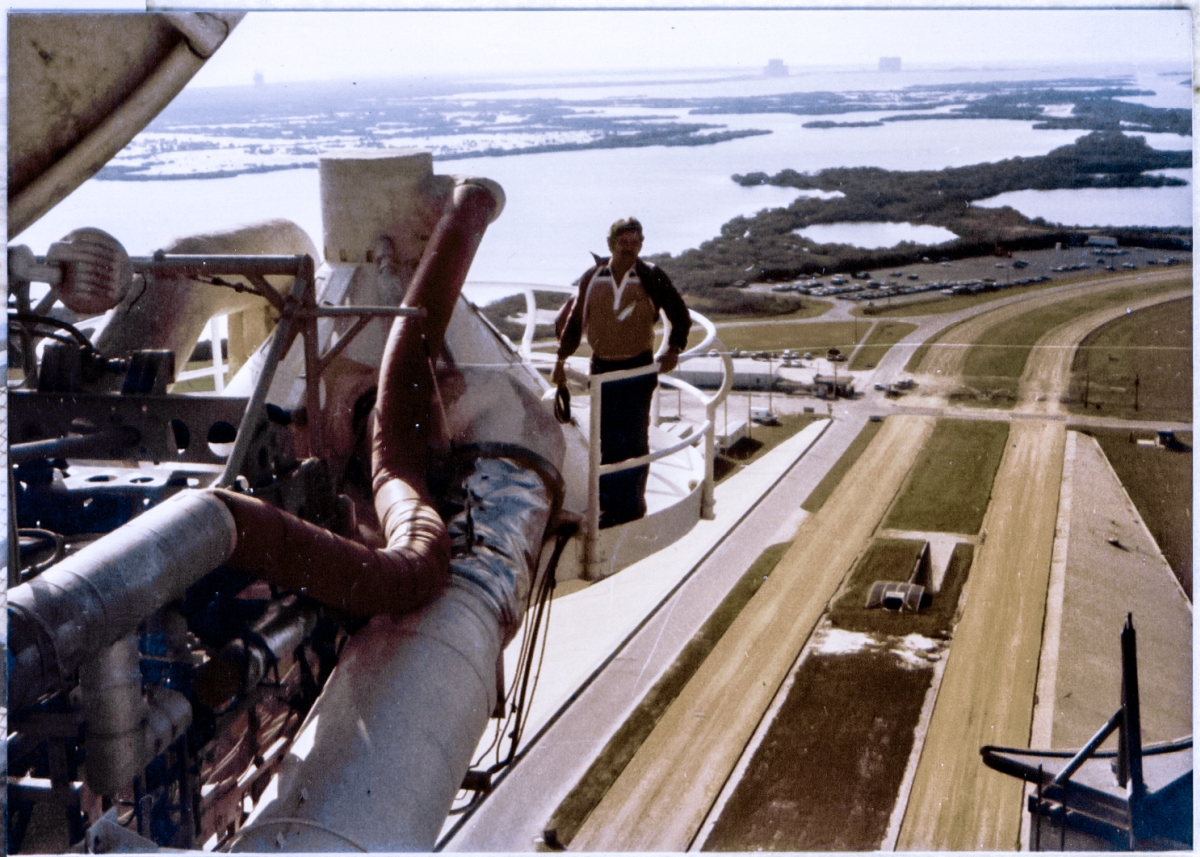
(1137, 381)
(771, 382)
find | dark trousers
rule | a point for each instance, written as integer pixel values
(624, 433)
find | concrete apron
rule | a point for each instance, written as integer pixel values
(1093, 585)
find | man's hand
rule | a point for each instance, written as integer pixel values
(668, 361)
(559, 376)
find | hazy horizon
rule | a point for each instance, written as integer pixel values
(368, 46)
(513, 77)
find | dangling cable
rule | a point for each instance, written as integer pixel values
(520, 695)
(545, 592)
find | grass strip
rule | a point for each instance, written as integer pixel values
(879, 341)
(951, 481)
(1159, 482)
(1138, 366)
(833, 478)
(892, 559)
(827, 773)
(586, 794)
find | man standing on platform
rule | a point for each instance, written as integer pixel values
(617, 305)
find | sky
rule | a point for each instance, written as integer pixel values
(297, 46)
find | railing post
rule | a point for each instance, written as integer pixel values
(707, 504)
(214, 341)
(591, 536)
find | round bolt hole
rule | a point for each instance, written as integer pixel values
(221, 436)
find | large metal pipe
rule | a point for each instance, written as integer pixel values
(99, 595)
(413, 567)
(403, 406)
(385, 748)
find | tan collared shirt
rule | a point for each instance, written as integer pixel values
(619, 318)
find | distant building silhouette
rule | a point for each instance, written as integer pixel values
(259, 80)
(889, 63)
(775, 68)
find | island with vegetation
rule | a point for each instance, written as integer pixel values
(766, 247)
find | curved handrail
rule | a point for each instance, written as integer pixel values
(705, 434)
(656, 454)
(525, 349)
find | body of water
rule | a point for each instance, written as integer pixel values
(1125, 206)
(561, 203)
(875, 235)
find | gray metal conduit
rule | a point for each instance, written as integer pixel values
(95, 597)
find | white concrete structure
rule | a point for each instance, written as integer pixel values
(748, 374)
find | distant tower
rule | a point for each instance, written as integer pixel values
(775, 68)
(259, 80)
(889, 63)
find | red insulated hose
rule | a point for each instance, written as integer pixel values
(414, 567)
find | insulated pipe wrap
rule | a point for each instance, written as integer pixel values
(125, 731)
(403, 404)
(95, 597)
(111, 685)
(305, 558)
(498, 536)
(399, 720)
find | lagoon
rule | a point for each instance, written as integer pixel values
(560, 203)
(873, 236)
(1126, 206)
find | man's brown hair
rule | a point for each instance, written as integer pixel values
(628, 224)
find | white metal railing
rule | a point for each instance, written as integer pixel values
(705, 435)
(216, 331)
